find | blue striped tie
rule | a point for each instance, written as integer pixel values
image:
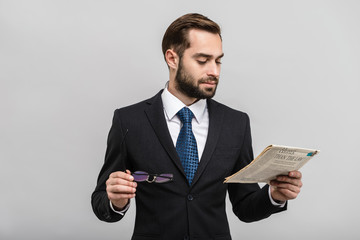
(186, 144)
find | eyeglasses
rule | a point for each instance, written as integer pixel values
(140, 176)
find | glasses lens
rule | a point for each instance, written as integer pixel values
(140, 176)
(165, 177)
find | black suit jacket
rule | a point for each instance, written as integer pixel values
(140, 140)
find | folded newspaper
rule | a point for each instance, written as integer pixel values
(274, 160)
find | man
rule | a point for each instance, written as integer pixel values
(197, 152)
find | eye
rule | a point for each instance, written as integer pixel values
(201, 62)
(218, 62)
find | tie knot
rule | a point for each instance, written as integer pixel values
(185, 115)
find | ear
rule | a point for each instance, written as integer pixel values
(172, 59)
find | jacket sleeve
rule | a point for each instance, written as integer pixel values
(250, 202)
(115, 160)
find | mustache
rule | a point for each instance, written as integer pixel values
(209, 79)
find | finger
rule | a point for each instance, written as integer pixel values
(125, 175)
(121, 181)
(120, 189)
(294, 181)
(295, 174)
(290, 187)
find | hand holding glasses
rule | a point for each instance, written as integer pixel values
(140, 176)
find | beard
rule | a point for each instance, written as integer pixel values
(189, 86)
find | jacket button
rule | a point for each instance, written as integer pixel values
(190, 197)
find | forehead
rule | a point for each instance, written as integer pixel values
(204, 42)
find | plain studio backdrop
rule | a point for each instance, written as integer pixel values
(65, 66)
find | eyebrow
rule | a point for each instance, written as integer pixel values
(197, 55)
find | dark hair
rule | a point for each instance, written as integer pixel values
(176, 36)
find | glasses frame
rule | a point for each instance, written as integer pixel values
(153, 176)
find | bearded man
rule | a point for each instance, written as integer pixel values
(172, 152)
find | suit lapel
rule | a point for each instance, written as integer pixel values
(155, 114)
(215, 123)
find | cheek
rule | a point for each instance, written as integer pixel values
(194, 70)
(197, 74)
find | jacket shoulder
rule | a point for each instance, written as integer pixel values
(140, 106)
(228, 111)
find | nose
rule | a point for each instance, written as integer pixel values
(213, 70)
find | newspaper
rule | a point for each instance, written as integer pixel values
(274, 160)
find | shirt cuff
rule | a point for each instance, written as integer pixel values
(281, 205)
(122, 212)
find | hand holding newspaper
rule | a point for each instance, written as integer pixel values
(274, 160)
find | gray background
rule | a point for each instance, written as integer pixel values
(65, 66)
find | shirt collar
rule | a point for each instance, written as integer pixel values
(172, 105)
